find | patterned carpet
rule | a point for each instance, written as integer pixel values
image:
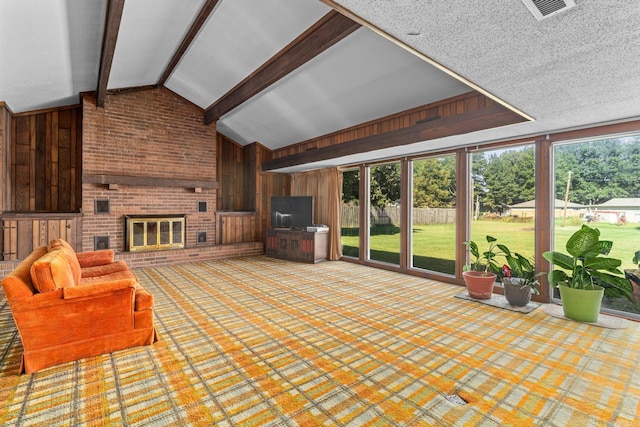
(259, 341)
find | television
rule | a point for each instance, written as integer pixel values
(291, 211)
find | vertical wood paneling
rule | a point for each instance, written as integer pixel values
(23, 232)
(40, 161)
(45, 162)
(230, 175)
(235, 227)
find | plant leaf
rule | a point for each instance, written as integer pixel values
(559, 259)
(601, 263)
(557, 276)
(583, 242)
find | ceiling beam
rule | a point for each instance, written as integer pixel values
(328, 31)
(114, 16)
(186, 42)
(485, 118)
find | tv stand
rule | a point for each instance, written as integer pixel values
(293, 245)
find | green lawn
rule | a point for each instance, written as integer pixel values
(434, 245)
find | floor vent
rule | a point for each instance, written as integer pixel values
(455, 400)
(543, 9)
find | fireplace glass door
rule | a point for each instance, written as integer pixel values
(155, 233)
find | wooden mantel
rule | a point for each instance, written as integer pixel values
(147, 181)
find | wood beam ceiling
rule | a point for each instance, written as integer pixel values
(112, 27)
(328, 31)
(484, 118)
(202, 17)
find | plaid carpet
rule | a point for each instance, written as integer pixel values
(259, 341)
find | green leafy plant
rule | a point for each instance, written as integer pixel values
(485, 261)
(634, 275)
(520, 267)
(586, 264)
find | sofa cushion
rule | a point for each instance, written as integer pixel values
(72, 259)
(102, 270)
(95, 258)
(116, 275)
(51, 272)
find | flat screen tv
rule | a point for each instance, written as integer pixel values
(291, 211)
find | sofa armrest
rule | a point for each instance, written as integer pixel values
(94, 258)
(94, 290)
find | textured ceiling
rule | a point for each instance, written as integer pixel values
(576, 69)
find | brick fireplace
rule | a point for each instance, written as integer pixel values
(146, 153)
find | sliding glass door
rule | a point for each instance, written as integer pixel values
(384, 213)
(351, 213)
(433, 214)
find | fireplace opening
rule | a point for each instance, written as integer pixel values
(154, 232)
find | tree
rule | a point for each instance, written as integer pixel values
(478, 169)
(509, 178)
(351, 186)
(385, 185)
(434, 183)
(600, 170)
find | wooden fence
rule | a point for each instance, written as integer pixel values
(391, 216)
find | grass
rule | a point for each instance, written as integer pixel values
(434, 245)
(438, 240)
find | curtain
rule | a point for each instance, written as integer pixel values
(325, 185)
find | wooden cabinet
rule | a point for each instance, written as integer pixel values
(235, 227)
(303, 246)
(23, 232)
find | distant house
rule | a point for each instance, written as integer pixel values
(619, 209)
(527, 209)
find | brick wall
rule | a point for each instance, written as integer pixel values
(151, 134)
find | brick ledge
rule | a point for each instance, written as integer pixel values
(174, 256)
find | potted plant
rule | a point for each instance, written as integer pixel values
(586, 274)
(519, 278)
(633, 274)
(481, 274)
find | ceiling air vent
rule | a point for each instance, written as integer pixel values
(543, 9)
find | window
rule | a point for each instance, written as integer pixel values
(384, 213)
(433, 231)
(351, 213)
(597, 182)
(503, 198)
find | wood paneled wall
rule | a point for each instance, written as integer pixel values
(5, 152)
(243, 186)
(46, 161)
(230, 170)
(267, 185)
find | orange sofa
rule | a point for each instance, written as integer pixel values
(68, 306)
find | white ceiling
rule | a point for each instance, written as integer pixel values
(576, 69)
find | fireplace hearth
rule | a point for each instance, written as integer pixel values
(154, 232)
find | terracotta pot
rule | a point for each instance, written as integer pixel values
(516, 294)
(479, 284)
